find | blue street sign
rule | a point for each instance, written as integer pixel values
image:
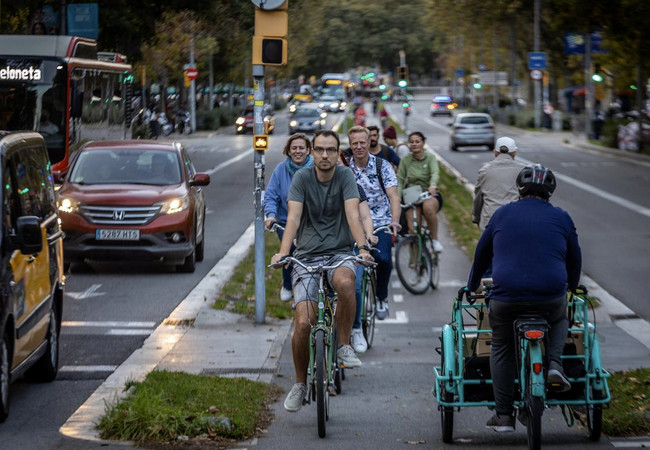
(83, 19)
(536, 60)
(574, 43)
(460, 73)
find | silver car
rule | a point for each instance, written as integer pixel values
(469, 129)
(307, 119)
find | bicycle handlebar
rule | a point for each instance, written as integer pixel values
(321, 267)
(385, 228)
(275, 227)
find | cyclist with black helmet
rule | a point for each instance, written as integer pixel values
(535, 255)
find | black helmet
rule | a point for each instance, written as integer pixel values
(536, 180)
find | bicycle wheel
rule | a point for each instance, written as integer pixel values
(338, 382)
(435, 270)
(446, 412)
(595, 416)
(370, 306)
(413, 272)
(321, 382)
(535, 407)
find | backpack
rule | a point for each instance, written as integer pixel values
(347, 153)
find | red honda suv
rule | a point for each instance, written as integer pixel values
(133, 200)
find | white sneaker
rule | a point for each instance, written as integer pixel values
(294, 400)
(437, 246)
(357, 340)
(347, 357)
(285, 294)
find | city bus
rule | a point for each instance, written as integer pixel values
(63, 88)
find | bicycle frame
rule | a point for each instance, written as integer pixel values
(326, 312)
(456, 347)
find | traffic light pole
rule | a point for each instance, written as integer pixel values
(258, 164)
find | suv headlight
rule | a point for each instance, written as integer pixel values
(68, 205)
(175, 205)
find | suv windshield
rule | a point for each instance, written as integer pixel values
(121, 166)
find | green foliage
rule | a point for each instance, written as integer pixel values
(629, 411)
(238, 294)
(171, 404)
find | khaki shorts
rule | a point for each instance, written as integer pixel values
(305, 284)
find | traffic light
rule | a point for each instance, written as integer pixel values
(597, 75)
(269, 41)
(260, 142)
(402, 76)
(478, 85)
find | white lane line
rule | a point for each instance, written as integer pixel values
(88, 293)
(136, 332)
(451, 283)
(630, 444)
(400, 317)
(87, 368)
(228, 162)
(599, 192)
(396, 284)
(398, 298)
(113, 324)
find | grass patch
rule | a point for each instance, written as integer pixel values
(457, 209)
(238, 294)
(629, 411)
(169, 405)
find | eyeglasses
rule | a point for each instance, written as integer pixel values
(330, 150)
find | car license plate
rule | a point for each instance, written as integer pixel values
(117, 235)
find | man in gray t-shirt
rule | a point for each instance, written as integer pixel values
(323, 216)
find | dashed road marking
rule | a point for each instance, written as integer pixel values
(400, 317)
(398, 298)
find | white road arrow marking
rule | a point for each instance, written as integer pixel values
(88, 293)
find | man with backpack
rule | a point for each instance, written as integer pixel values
(381, 150)
(378, 180)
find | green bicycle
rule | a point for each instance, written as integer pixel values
(415, 260)
(324, 374)
(369, 296)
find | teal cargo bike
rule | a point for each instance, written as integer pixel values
(463, 377)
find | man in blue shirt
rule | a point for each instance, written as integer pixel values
(535, 255)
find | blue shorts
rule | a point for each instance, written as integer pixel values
(305, 284)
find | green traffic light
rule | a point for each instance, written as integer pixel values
(406, 105)
(633, 87)
(597, 77)
(382, 86)
(402, 83)
(478, 85)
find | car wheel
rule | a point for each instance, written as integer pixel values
(5, 376)
(200, 247)
(454, 148)
(491, 146)
(47, 366)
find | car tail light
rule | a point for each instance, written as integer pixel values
(489, 127)
(460, 127)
